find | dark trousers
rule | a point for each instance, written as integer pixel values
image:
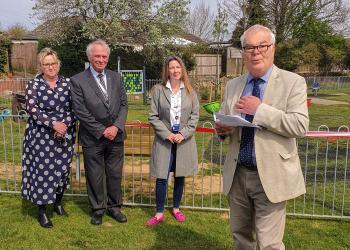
(161, 185)
(105, 158)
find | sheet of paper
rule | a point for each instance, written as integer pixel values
(233, 120)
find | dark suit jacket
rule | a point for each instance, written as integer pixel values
(91, 109)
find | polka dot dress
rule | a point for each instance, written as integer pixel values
(46, 160)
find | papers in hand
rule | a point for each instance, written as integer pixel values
(233, 120)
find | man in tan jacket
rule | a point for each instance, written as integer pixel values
(262, 168)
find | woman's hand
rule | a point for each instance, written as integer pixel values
(178, 138)
(60, 127)
(58, 135)
(171, 137)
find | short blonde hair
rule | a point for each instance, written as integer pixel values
(48, 52)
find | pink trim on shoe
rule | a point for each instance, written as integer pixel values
(154, 221)
(179, 216)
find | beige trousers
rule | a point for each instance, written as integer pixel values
(253, 218)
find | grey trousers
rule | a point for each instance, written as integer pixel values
(253, 218)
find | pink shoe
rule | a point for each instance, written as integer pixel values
(155, 221)
(179, 216)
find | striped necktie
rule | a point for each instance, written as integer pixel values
(103, 85)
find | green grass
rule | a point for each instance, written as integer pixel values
(202, 230)
(332, 116)
(20, 230)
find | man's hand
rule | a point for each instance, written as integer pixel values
(222, 129)
(247, 105)
(60, 127)
(110, 132)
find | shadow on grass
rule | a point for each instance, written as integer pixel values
(82, 203)
(29, 209)
(181, 237)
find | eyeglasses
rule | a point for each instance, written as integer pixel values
(262, 48)
(47, 65)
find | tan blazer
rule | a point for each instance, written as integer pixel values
(284, 117)
(159, 117)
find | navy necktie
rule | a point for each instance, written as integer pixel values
(247, 139)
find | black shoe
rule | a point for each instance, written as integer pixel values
(44, 221)
(117, 215)
(60, 210)
(96, 219)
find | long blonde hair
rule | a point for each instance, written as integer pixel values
(184, 76)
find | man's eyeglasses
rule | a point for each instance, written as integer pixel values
(47, 65)
(262, 48)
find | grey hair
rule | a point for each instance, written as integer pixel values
(257, 27)
(99, 42)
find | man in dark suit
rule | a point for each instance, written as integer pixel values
(100, 104)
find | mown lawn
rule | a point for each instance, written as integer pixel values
(203, 230)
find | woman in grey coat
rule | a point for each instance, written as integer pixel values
(174, 116)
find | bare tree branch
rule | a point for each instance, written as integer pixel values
(200, 21)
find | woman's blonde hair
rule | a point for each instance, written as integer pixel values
(48, 52)
(184, 76)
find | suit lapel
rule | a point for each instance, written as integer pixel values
(110, 85)
(184, 100)
(239, 89)
(93, 84)
(167, 93)
(271, 83)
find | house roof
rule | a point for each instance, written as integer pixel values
(223, 44)
(30, 36)
(190, 37)
(47, 30)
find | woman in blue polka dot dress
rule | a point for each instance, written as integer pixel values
(49, 137)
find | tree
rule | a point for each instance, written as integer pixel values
(5, 43)
(220, 29)
(314, 45)
(17, 31)
(200, 21)
(254, 14)
(237, 12)
(143, 21)
(68, 25)
(286, 16)
(219, 33)
(347, 56)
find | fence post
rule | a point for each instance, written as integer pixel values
(144, 86)
(338, 82)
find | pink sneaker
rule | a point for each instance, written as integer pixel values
(179, 216)
(155, 221)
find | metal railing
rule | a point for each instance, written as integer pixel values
(329, 82)
(324, 156)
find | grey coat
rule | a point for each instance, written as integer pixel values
(159, 117)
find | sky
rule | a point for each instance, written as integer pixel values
(19, 12)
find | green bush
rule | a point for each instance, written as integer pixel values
(4, 46)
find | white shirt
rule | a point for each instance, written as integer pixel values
(95, 75)
(175, 104)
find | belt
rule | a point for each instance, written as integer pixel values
(251, 168)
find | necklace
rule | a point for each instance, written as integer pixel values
(176, 106)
